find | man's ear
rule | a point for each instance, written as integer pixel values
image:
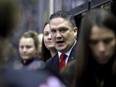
(75, 32)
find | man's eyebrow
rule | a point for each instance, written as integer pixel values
(63, 27)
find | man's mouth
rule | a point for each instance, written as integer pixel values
(59, 42)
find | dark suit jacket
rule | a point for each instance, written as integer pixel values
(53, 63)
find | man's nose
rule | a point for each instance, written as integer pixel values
(58, 34)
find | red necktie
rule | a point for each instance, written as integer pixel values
(62, 61)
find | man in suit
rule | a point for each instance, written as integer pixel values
(64, 34)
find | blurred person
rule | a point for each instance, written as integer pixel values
(18, 78)
(8, 20)
(28, 48)
(64, 34)
(48, 49)
(24, 78)
(96, 63)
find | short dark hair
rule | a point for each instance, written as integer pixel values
(33, 35)
(64, 15)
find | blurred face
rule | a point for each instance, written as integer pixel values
(102, 44)
(47, 37)
(27, 48)
(63, 34)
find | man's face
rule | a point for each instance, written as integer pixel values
(27, 48)
(63, 35)
(102, 44)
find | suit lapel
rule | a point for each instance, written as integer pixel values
(56, 63)
(72, 56)
(73, 53)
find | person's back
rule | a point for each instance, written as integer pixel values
(8, 20)
(8, 11)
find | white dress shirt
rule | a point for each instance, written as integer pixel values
(67, 53)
